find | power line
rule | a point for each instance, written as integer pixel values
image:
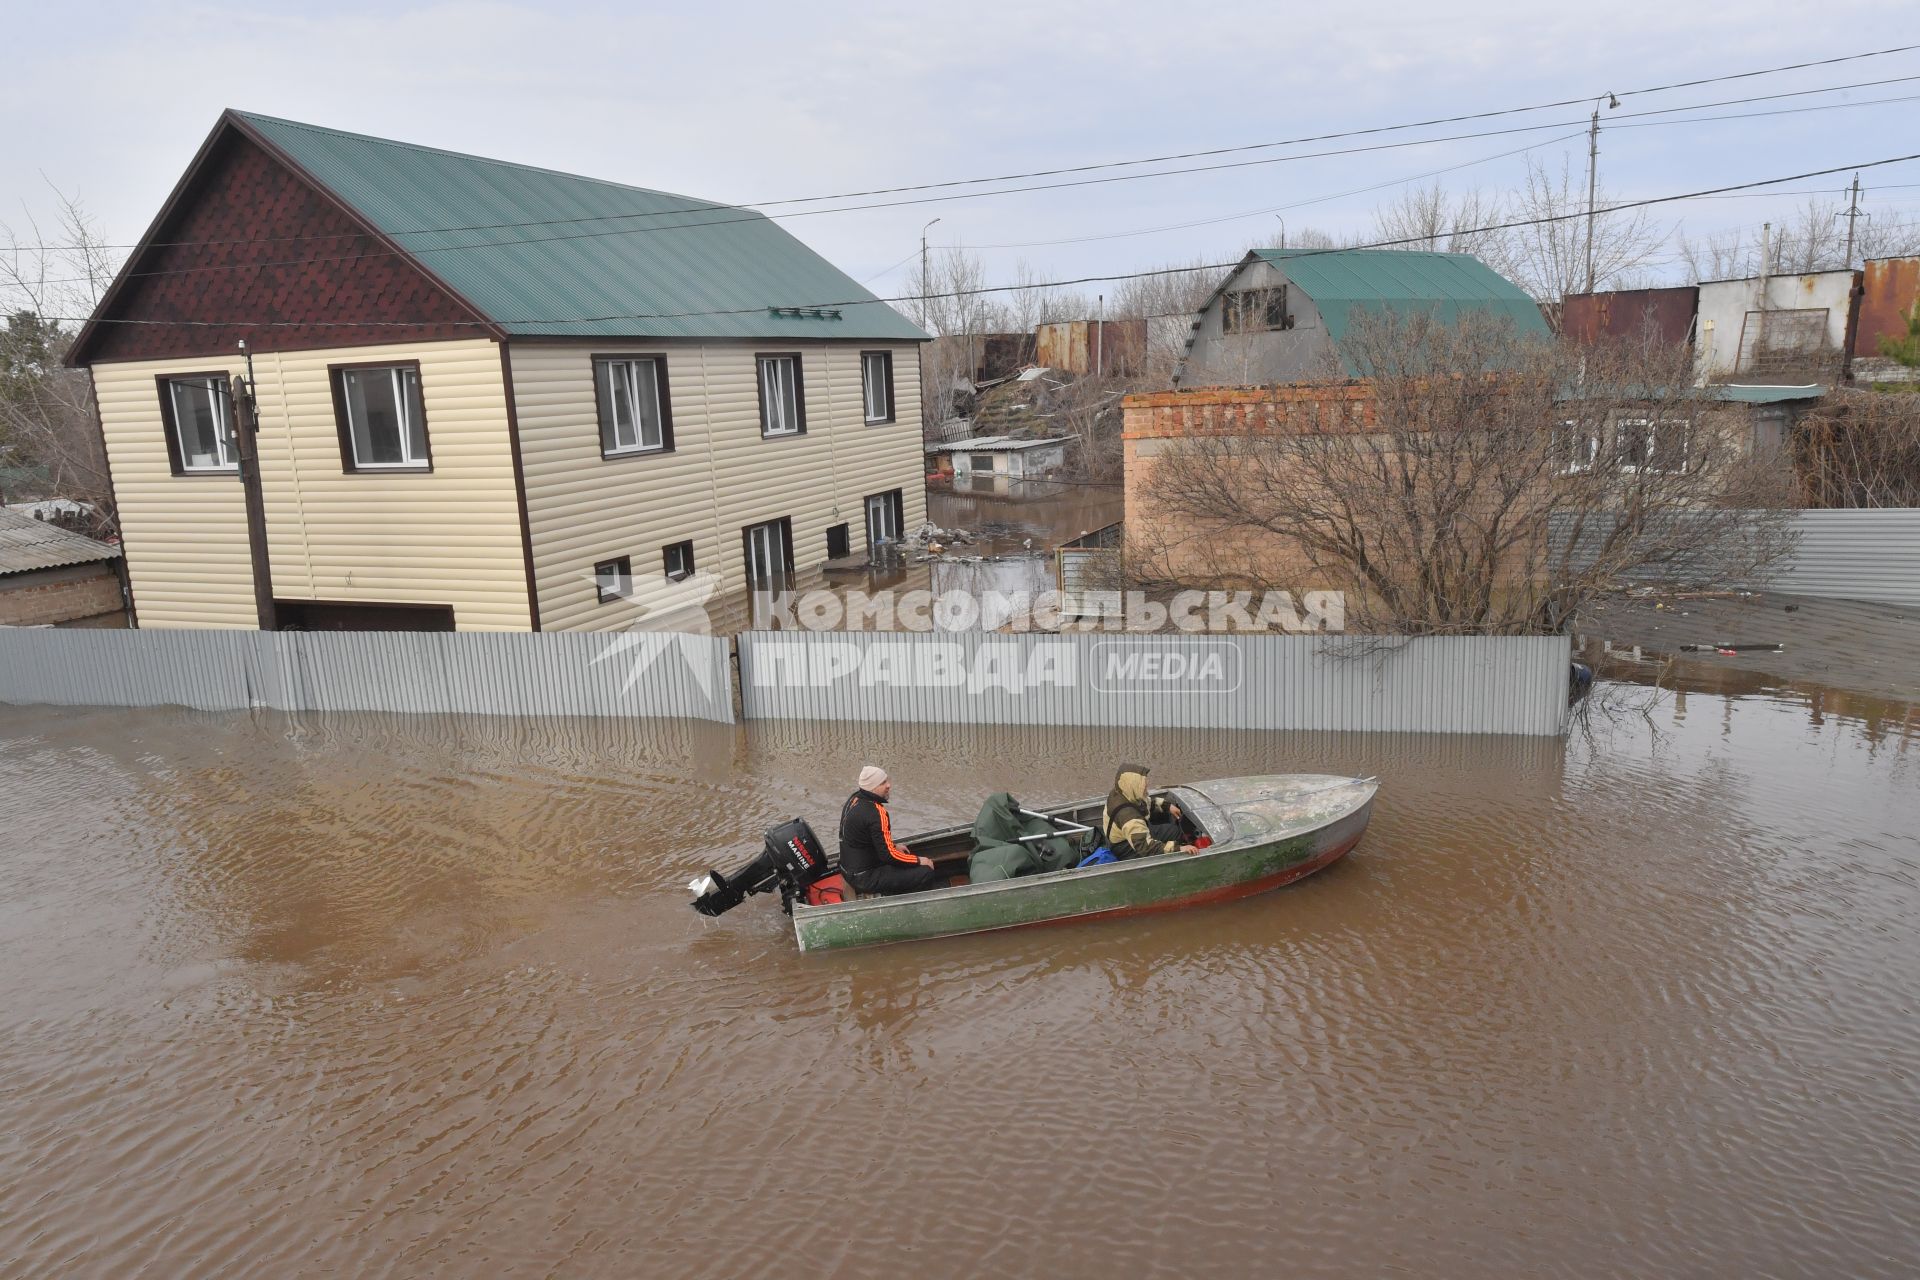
(1279, 208)
(1399, 242)
(711, 206)
(1133, 177)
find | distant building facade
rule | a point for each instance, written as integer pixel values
(1283, 315)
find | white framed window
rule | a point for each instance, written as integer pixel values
(383, 425)
(783, 406)
(635, 413)
(1576, 447)
(876, 384)
(1655, 445)
(198, 409)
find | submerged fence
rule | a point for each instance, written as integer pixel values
(1437, 685)
(481, 673)
(1855, 554)
(1477, 684)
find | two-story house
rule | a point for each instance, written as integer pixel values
(488, 396)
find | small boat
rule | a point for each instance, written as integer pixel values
(1255, 833)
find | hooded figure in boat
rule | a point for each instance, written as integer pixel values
(1136, 825)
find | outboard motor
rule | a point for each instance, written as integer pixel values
(791, 860)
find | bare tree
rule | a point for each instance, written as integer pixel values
(1548, 255)
(1434, 219)
(1476, 482)
(47, 420)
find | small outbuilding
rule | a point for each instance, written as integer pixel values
(50, 576)
(1000, 457)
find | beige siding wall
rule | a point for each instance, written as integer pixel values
(721, 476)
(448, 537)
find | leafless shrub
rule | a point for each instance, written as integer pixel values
(1860, 449)
(1475, 482)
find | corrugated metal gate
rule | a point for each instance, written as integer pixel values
(1477, 684)
(480, 673)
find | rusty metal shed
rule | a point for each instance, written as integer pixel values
(1890, 289)
(1589, 318)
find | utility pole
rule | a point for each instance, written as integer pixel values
(1593, 177)
(926, 279)
(246, 435)
(1852, 214)
(1100, 329)
(1758, 352)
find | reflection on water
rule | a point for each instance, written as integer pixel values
(410, 995)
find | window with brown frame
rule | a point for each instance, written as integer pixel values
(783, 397)
(613, 579)
(380, 416)
(636, 413)
(197, 412)
(876, 384)
(678, 560)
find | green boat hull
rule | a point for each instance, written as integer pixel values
(1278, 836)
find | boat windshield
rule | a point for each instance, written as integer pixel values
(1276, 805)
(1211, 817)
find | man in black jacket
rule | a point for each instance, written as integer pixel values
(870, 860)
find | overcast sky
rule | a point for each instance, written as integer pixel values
(754, 102)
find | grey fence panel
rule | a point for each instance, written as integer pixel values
(1435, 685)
(481, 673)
(1857, 554)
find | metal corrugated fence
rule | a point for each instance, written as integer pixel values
(1857, 554)
(481, 673)
(1477, 684)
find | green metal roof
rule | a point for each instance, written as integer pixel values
(1403, 281)
(690, 269)
(1738, 393)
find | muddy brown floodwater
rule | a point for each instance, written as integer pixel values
(407, 996)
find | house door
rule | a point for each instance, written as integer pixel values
(769, 552)
(883, 520)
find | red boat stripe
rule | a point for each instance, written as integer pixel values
(1226, 893)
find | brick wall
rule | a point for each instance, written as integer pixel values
(1166, 544)
(1327, 406)
(76, 594)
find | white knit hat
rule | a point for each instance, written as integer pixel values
(872, 776)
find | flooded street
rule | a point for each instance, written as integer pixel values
(409, 996)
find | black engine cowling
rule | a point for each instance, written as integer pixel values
(791, 859)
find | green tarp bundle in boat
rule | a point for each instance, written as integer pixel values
(998, 853)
